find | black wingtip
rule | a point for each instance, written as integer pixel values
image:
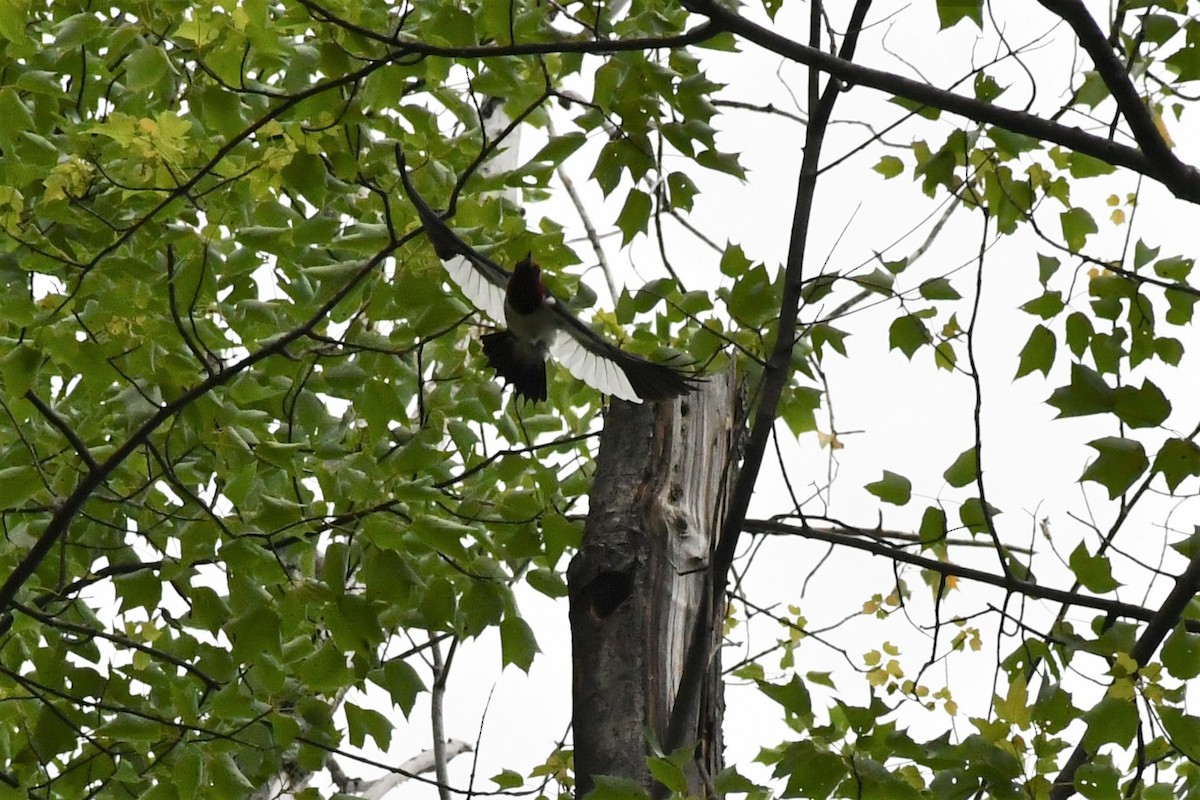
(524, 370)
(444, 242)
(655, 382)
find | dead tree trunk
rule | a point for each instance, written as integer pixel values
(640, 586)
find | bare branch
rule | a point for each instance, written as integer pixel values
(1183, 180)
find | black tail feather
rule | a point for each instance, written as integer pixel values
(523, 368)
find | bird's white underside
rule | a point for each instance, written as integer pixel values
(595, 370)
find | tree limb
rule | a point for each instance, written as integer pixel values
(1116, 78)
(1162, 623)
(867, 540)
(1182, 180)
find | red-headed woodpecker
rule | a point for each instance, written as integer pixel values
(540, 327)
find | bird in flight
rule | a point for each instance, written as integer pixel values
(540, 327)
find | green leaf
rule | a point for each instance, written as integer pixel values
(963, 470)
(558, 535)
(547, 581)
(818, 287)
(1182, 306)
(1014, 707)
(1143, 254)
(933, 527)
(1181, 654)
(890, 166)
(734, 263)
(721, 162)
(634, 216)
(227, 778)
(1111, 720)
(1094, 572)
(19, 369)
(1085, 166)
(307, 174)
(812, 771)
(1049, 305)
(559, 148)
(892, 488)
(880, 281)
(1169, 350)
(1184, 730)
(517, 643)
(146, 67)
(951, 12)
(1012, 144)
(822, 334)
(12, 22)
(908, 334)
(793, 696)
(681, 191)
(15, 114)
(124, 727)
(668, 773)
(363, 722)
(986, 87)
(920, 109)
(1177, 460)
(753, 299)
(18, 484)
(798, 407)
(401, 682)
(973, 516)
(1079, 333)
(613, 788)
(939, 289)
(609, 165)
(1145, 407)
(1087, 393)
(1047, 266)
(1077, 225)
(1054, 709)
(1038, 352)
(507, 779)
(188, 773)
(1120, 462)
(729, 781)
(52, 732)
(1098, 778)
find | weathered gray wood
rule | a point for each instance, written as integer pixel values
(640, 581)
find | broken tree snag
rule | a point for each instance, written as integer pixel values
(641, 581)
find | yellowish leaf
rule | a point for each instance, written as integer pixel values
(1162, 128)
(829, 440)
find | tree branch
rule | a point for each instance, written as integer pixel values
(867, 540)
(64, 428)
(1162, 623)
(1183, 180)
(1116, 78)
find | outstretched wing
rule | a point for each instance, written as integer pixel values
(611, 370)
(482, 281)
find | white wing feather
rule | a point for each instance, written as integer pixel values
(591, 368)
(485, 295)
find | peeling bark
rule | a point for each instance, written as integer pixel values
(642, 578)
